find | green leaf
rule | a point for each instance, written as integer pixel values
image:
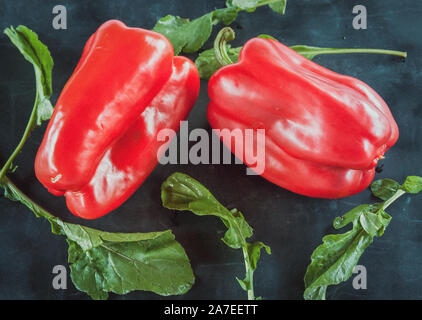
(266, 36)
(84, 276)
(351, 216)
(190, 35)
(225, 15)
(38, 54)
(334, 260)
(374, 223)
(278, 6)
(247, 5)
(185, 35)
(384, 188)
(181, 192)
(372, 218)
(88, 238)
(315, 293)
(413, 184)
(254, 252)
(152, 262)
(385, 220)
(246, 283)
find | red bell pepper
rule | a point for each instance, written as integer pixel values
(324, 131)
(101, 142)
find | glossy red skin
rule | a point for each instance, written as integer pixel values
(121, 70)
(101, 138)
(325, 132)
(131, 159)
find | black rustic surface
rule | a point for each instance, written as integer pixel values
(291, 224)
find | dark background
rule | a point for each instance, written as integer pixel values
(291, 224)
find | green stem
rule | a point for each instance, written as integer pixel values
(25, 137)
(220, 46)
(357, 50)
(249, 274)
(8, 184)
(24, 199)
(393, 198)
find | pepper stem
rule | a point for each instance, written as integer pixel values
(220, 46)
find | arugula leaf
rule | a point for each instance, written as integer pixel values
(185, 35)
(207, 63)
(100, 262)
(413, 184)
(278, 6)
(334, 260)
(253, 253)
(190, 35)
(385, 188)
(225, 15)
(152, 262)
(38, 54)
(181, 192)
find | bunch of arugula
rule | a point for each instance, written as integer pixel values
(181, 192)
(190, 35)
(100, 262)
(334, 260)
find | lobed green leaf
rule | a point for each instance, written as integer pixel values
(181, 192)
(152, 262)
(334, 260)
(185, 35)
(39, 56)
(413, 184)
(278, 6)
(254, 253)
(384, 188)
(190, 35)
